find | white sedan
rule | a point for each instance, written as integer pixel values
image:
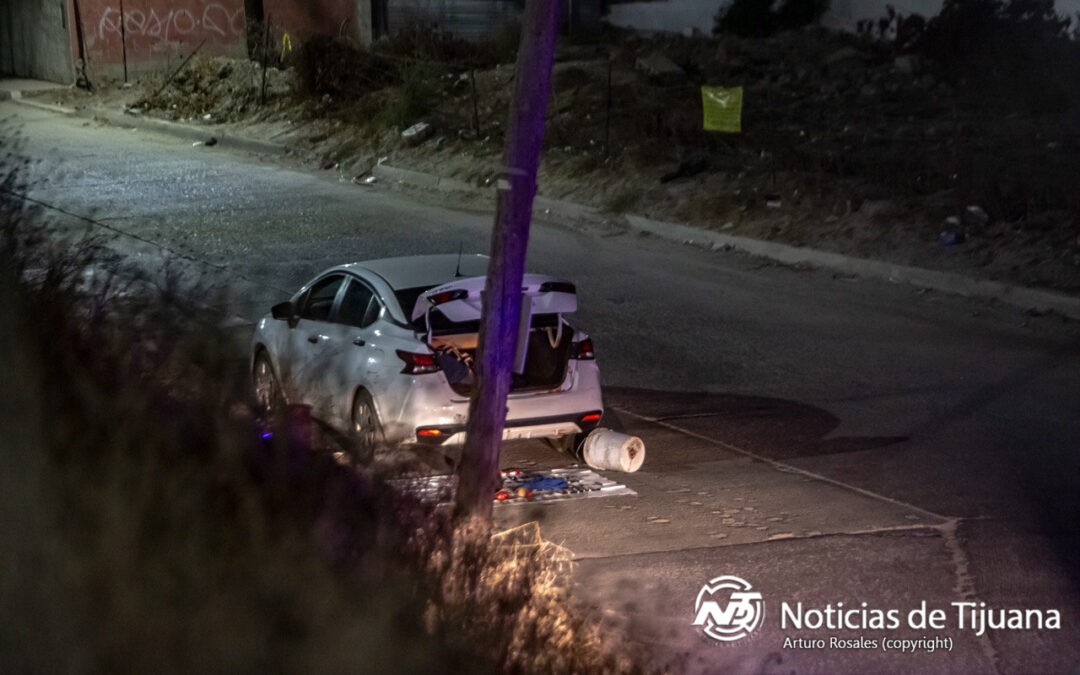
(383, 350)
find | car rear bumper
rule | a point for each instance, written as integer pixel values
(428, 402)
(529, 427)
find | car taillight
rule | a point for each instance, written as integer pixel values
(591, 417)
(582, 350)
(447, 296)
(417, 364)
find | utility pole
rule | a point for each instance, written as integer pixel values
(478, 471)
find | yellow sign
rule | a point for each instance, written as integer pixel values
(723, 108)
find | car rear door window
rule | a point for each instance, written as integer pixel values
(359, 306)
(320, 299)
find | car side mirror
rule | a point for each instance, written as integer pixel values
(284, 311)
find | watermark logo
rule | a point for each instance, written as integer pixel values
(728, 609)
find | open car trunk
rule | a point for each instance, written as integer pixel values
(448, 318)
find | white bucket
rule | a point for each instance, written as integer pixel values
(607, 449)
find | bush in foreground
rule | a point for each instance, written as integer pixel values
(149, 526)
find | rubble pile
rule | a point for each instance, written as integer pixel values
(847, 143)
(212, 90)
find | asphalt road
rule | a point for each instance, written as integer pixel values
(827, 439)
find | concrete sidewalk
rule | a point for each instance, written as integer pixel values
(15, 87)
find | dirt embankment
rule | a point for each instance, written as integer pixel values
(845, 145)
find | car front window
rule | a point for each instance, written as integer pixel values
(320, 299)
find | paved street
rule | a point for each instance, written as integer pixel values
(827, 439)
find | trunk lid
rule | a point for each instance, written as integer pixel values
(449, 316)
(460, 300)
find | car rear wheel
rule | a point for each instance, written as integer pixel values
(570, 444)
(366, 430)
(268, 398)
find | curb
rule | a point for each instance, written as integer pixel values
(175, 129)
(16, 96)
(394, 174)
(1023, 297)
(949, 282)
(183, 131)
(420, 179)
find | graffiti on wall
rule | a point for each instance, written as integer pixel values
(210, 20)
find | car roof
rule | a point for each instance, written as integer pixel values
(424, 270)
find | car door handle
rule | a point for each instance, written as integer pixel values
(359, 342)
(314, 338)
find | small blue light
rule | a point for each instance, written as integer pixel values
(268, 434)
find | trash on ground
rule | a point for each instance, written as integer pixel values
(417, 133)
(659, 65)
(951, 238)
(570, 483)
(545, 483)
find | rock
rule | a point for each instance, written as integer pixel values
(842, 54)
(659, 65)
(868, 91)
(975, 216)
(691, 165)
(908, 64)
(417, 133)
(881, 208)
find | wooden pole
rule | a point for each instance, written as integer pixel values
(475, 105)
(478, 471)
(607, 118)
(123, 40)
(80, 36)
(265, 52)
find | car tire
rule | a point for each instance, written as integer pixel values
(570, 444)
(365, 429)
(268, 398)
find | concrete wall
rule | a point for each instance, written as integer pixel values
(160, 33)
(157, 33)
(303, 18)
(482, 19)
(674, 16)
(35, 40)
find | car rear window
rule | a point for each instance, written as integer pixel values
(406, 297)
